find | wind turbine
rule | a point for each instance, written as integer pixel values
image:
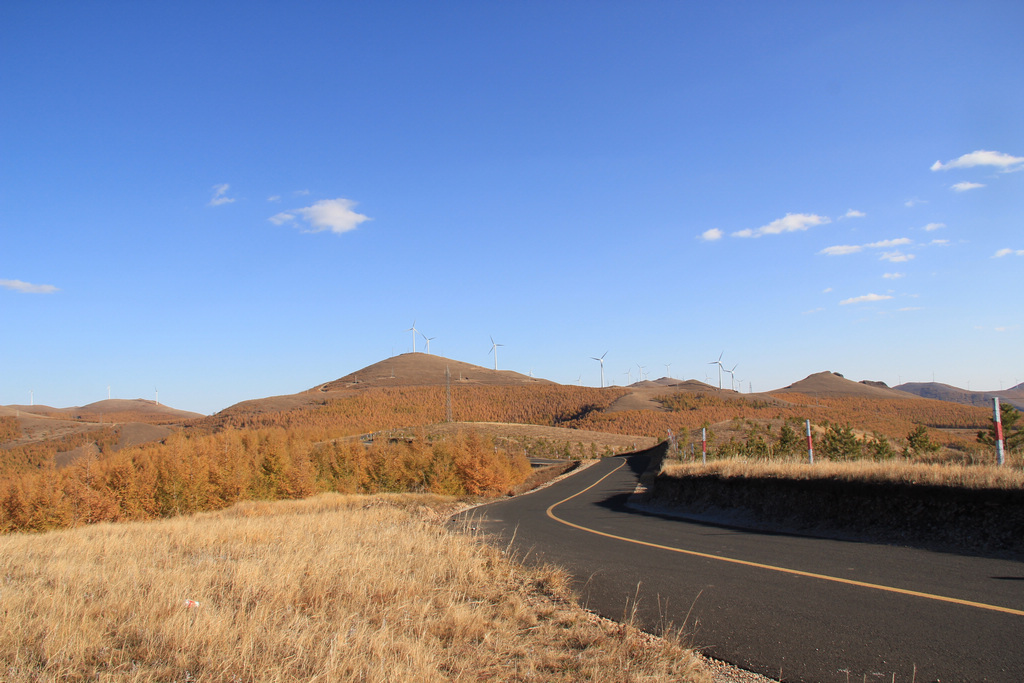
(414, 331)
(629, 377)
(719, 364)
(601, 361)
(640, 374)
(732, 376)
(667, 371)
(429, 339)
(494, 350)
(579, 380)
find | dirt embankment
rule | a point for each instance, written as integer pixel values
(945, 518)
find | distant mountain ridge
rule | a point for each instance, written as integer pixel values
(946, 392)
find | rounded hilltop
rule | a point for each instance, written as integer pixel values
(423, 369)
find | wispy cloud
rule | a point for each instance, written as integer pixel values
(939, 243)
(896, 257)
(711, 235)
(982, 157)
(1007, 252)
(933, 226)
(220, 193)
(864, 299)
(841, 250)
(27, 287)
(965, 186)
(844, 249)
(914, 201)
(893, 276)
(335, 215)
(885, 244)
(853, 213)
(911, 308)
(274, 198)
(791, 222)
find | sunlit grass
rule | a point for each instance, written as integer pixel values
(333, 588)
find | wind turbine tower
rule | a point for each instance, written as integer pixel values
(601, 361)
(667, 371)
(719, 364)
(494, 350)
(732, 376)
(414, 331)
(428, 339)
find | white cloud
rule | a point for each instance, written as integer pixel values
(893, 276)
(335, 215)
(853, 213)
(28, 287)
(914, 201)
(826, 290)
(982, 158)
(274, 198)
(220, 195)
(791, 222)
(864, 299)
(813, 311)
(933, 226)
(885, 244)
(896, 257)
(1007, 252)
(963, 187)
(280, 218)
(939, 243)
(711, 235)
(841, 250)
(301, 193)
(911, 308)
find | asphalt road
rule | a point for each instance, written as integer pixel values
(791, 607)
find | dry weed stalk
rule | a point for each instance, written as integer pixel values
(333, 588)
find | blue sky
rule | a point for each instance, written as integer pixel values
(227, 200)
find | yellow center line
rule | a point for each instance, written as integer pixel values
(758, 565)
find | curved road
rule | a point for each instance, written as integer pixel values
(791, 607)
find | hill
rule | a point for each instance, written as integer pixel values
(110, 410)
(946, 392)
(422, 369)
(405, 370)
(833, 384)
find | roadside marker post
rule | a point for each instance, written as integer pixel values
(810, 443)
(704, 444)
(997, 418)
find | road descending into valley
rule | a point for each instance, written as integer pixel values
(792, 607)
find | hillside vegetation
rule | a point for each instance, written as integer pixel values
(291, 447)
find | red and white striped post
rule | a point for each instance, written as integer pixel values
(704, 444)
(810, 443)
(997, 418)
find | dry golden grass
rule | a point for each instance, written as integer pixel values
(891, 471)
(333, 588)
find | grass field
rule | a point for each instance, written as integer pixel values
(889, 471)
(332, 588)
